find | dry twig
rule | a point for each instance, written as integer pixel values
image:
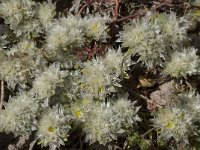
(2, 94)
(141, 13)
(116, 11)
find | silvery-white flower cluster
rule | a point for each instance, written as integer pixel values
(19, 115)
(183, 63)
(26, 17)
(154, 37)
(180, 120)
(14, 71)
(55, 88)
(68, 33)
(101, 76)
(45, 84)
(53, 128)
(104, 122)
(20, 63)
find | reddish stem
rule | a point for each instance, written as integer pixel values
(133, 16)
(155, 7)
(140, 14)
(116, 11)
(82, 8)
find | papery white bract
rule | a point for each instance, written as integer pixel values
(19, 115)
(53, 128)
(183, 63)
(45, 84)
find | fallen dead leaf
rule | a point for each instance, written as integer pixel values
(144, 82)
(165, 95)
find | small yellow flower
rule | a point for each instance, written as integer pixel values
(78, 113)
(94, 27)
(51, 129)
(170, 125)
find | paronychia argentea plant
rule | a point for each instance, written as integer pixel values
(64, 76)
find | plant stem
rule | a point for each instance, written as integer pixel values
(2, 94)
(148, 132)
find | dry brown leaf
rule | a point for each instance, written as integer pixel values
(144, 82)
(151, 105)
(165, 94)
